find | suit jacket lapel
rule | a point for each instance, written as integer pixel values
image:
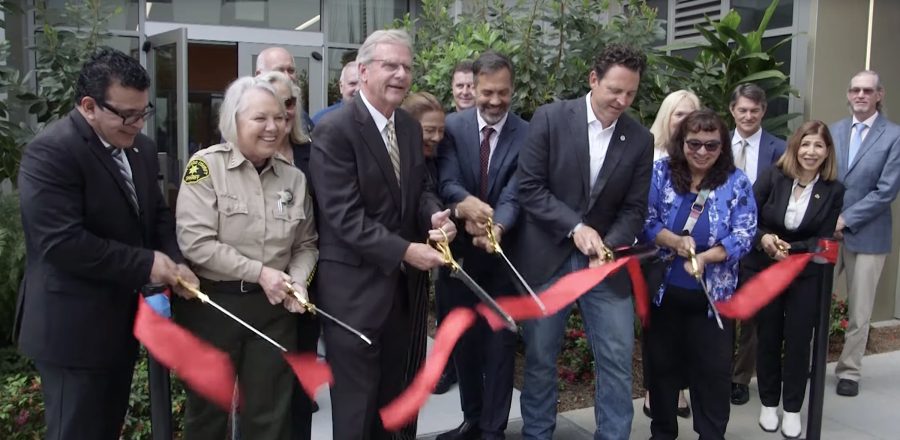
(473, 155)
(502, 150)
(138, 176)
(765, 153)
(783, 196)
(577, 114)
(870, 140)
(370, 135)
(103, 156)
(816, 200)
(613, 155)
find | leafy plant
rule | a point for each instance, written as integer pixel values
(728, 58)
(576, 360)
(12, 262)
(60, 53)
(838, 317)
(22, 405)
(551, 43)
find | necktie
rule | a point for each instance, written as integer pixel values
(393, 149)
(125, 170)
(855, 141)
(485, 157)
(741, 160)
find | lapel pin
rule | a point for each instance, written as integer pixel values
(622, 138)
(816, 196)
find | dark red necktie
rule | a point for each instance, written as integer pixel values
(485, 156)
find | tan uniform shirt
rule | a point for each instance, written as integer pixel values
(231, 220)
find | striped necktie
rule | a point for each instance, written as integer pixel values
(119, 156)
(393, 149)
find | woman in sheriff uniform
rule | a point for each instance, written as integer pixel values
(245, 223)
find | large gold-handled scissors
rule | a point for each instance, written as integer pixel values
(456, 271)
(495, 246)
(311, 308)
(695, 271)
(206, 300)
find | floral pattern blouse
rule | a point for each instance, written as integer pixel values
(732, 224)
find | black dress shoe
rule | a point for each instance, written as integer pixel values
(315, 406)
(740, 394)
(847, 387)
(646, 409)
(447, 380)
(468, 430)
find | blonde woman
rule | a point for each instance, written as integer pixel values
(673, 109)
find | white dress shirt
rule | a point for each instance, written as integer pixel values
(380, 121)
(495, 136)
(598, 139)
(796, 208)
(752, 155)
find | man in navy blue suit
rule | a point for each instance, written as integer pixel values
(755, 150)
(476, 164)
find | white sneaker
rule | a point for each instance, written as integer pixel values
(768, 418)
(790, 425)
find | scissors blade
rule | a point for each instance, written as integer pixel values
(712, 304)
(461, 275)
(312, 308)
(522, 282)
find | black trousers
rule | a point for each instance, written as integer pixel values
(789, 320)
(683, 341)
(84, 403)
(366, 378)
(265, 380)
(308, 331)
(484, 359)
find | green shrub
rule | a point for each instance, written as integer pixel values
(576, 360)
(12, 262)
(838, 317)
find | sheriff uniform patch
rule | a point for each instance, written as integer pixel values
(196, 171)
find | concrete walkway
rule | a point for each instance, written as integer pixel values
(874, 414)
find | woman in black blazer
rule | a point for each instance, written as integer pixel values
(799, 201)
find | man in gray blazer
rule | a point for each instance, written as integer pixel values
(868, 153)
(584, 178)
(755, 150)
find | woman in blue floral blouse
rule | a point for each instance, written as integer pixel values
(699, 203)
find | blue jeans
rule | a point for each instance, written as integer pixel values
(609, 325)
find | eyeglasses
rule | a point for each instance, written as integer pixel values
(128, 118)
(290, 102)
(865, 90)
(392, 67)
(711, 146)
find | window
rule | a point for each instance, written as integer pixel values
(351, 21)
(301, 15)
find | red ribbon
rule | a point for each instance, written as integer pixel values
(558, 296)
(639, 287)
(311, 373)
(204, 368)
(763, 288)
(404, 408)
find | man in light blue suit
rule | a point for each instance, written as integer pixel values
(755, 150)
(868, 153)
(477, 163)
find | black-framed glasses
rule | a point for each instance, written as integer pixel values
(128, 118)
(290, 103)
(711, 146)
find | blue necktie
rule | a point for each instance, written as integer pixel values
(855, 141)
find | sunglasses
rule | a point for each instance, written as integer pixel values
(711, 146)
(290, 103)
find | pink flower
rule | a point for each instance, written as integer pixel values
(22, 418)
(844, 324)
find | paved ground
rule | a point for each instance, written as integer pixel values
(874, 414)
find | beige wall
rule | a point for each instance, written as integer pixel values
(837, 50)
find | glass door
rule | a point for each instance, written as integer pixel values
(167, 64)
(310, 70)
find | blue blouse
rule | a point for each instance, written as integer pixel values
(732, 224)
(679, 277)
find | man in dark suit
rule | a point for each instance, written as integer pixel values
(96, 230)
(868, 152)
(584, 178)
(369, 173)
(477, 164)
(754, 150)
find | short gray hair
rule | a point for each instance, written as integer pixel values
(298, 128)
(234, 103)
(350, 66)
(389, 36)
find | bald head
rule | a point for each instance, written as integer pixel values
(349, 83)
(276, 59)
